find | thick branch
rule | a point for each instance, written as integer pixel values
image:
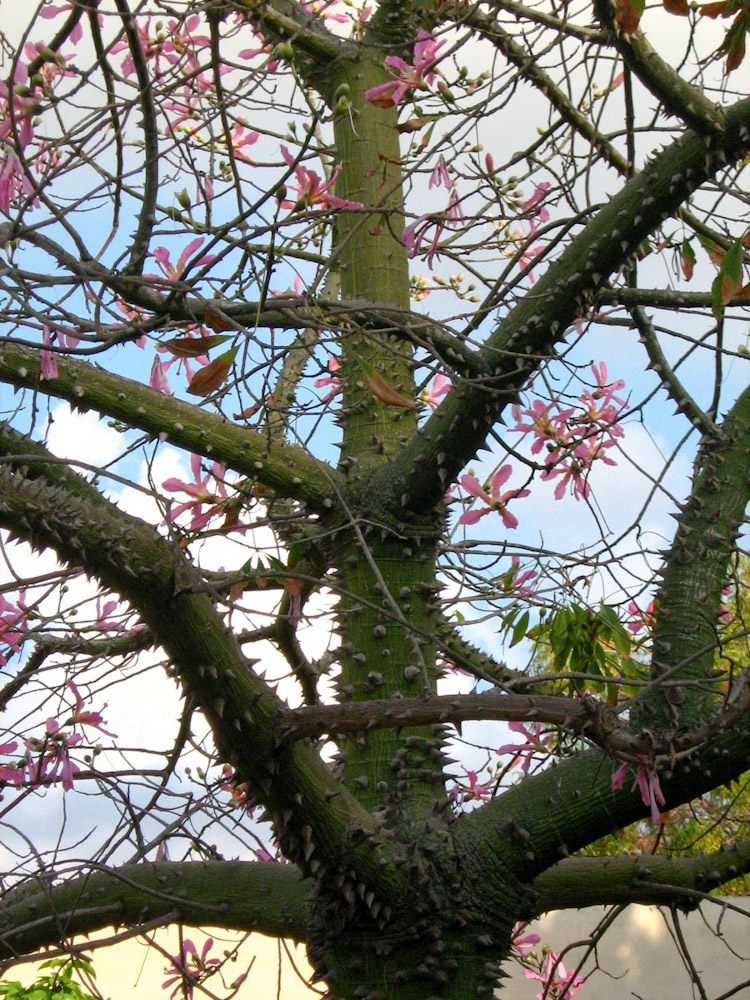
(49, 506)
(648, 879)
(696, 570)
(569, 805)
(248, 896)
(674, 93)
(315, 47)
(528, 334)
(286, 468)
(662, 298)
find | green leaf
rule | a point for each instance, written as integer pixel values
(519, 629)
(687, 259)
(728, 281)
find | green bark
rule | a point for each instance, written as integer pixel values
(400, 898)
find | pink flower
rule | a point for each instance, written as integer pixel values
(575, 470)
(13, 623)
(200, 493)
(50, 10)
(474, 792)
(103, 622)
(14, 181)
(322, 9)
(331, 379)
(240, 139)
(725, 615)
(311, 190)
(237, 790)
(441, 386)
(519, 579)
(523, 944)
(642, 619)
(48, 359)
(189, 969)
(535, 744)
(415, 233)
(408, 77)
(85, 717)
(175, 272)
(10, 773)
(174, 44)
(602, 406)
(539, 193)
(647, 781)
(158, 378)
(495, 500)
(550, 430)
(48, 760)
(557, 982)
(17, 110)
(440, 176)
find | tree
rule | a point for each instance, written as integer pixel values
(169, 173)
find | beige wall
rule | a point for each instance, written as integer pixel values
(638, 956)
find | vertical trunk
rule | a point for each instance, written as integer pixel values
(386, 564)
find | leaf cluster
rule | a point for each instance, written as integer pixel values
(59, 985)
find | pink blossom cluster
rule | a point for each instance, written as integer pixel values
(214, 500)
(577, 436)
(646, 781)
(557, 981)
(547, 969)
(47, 758)
(189, 969)
(408, 77)
(433, 224)
(20, 103)
(174, 43)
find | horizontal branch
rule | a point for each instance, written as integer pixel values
(647, 879)
(585, 717)
(286, 468)
(267, 898)
(563, 808)
(588, 718)
(663, 298)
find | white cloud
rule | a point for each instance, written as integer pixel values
(82, 437)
